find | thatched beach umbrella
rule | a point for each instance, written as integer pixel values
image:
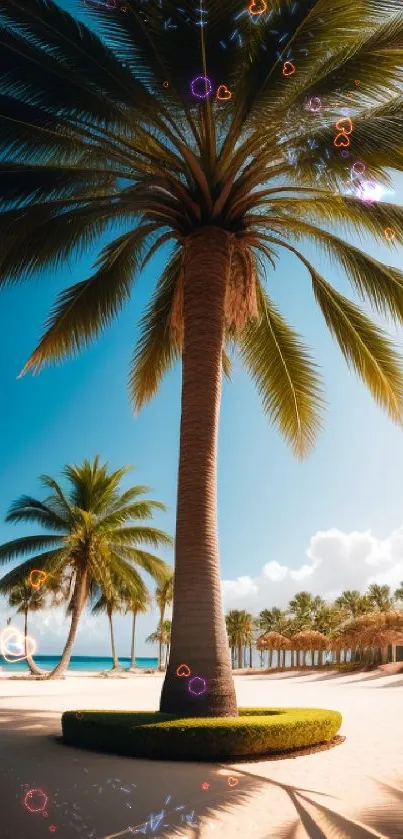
(344, 641)
(273, 641)
(310, 640)
(379, 637)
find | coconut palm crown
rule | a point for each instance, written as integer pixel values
(218, 141)
(95, 534)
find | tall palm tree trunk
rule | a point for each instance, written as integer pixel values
(35, 670)
(199, 636)
(162, 613)
(240, 662)
(116, 663)
(133, 644)
(250, 655)
(80, 596)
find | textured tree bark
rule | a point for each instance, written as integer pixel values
(133, 644)
(199, 637)
(116, 664)
(162, 613)
(35, 670)
(240, 662)
(80, 598)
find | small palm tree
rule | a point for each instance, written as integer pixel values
(380, 597)
(304, 607)
(130, 134)
(164, 597)
(239, 628)
(97, 539)
(137, 603)
(162, 635)
(110, 603)
(26, 599)
(354, 603)
(399, 592)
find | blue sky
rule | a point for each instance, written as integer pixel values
(330, 521)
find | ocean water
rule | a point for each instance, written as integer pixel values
(78, 662)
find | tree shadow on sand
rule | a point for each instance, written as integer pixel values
(91, 795)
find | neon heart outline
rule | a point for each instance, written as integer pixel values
(10, 632)
(234, 783)
(41, 573)
(290, 64)
(343, 130)
(224, 88)
(182, 668)
(260, 10)
(341, 137)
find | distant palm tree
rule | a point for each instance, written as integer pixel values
(304, 606)
(399, 592)
(136, 604)
(354, 603)
(26, 598)
(97, 538)
(133, 138)
(239, 628)
(164, 597)
(110, 603)
(380, 597)
(162, 635)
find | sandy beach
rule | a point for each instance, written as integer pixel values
(103, 796)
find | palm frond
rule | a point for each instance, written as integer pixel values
(284, 374)
(87, 308)
(27, 545)
(144, 535)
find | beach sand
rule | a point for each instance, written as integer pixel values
(91, 795)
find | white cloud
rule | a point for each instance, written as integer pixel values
(336, 561)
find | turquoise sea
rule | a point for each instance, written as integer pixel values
(79, 662)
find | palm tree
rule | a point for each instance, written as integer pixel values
(354, 603)
(26, 599)
(127, 134)
(239, 628)
(398, 595)
(304, 606)
(136, 604)
(380, 597)
(162, 635)
(110, 603)
(163, 596)
(97, 538)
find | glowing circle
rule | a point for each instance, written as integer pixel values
(197, 686)
(35, 801)
(183, 670)
(12, 637)
(197, 86)
(314, 104)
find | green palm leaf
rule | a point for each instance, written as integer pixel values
(285, 376)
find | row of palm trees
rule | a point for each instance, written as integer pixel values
(309, 625)
(91, 553)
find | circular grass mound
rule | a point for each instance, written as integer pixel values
(147, 734)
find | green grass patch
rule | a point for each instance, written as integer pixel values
(148, 734)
